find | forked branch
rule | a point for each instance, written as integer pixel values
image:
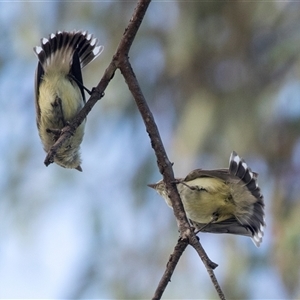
(120, 60)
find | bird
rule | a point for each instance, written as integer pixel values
(222, 200)
(59, 90)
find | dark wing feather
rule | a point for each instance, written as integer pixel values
(75, 72)
(222, 174)
(38, 78)
(238, 168)
(227, 226)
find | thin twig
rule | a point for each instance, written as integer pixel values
(165, 167)
(171, 265)
(186, 232)
(210, 266)
(120, 60)
(164, 164)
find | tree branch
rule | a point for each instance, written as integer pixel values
(120, 60)
(165, 167)
(210, 266)
(171, 265)
(173, 260)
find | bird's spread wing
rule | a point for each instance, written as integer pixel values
(222, 174)
(227, 226)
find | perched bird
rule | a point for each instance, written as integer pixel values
(222, 200)
(59, 90)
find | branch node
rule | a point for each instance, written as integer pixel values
(96, 93)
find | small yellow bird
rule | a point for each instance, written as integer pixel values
(222, 200)
(59, 90)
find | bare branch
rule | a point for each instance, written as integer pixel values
(171, 265)
(164, 164)
(210, 266)
(173, 260)
(120, 60)
(165, 167)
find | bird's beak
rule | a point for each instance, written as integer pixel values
(153, 185)
(79, 168)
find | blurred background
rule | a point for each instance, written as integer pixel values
(218, 76)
